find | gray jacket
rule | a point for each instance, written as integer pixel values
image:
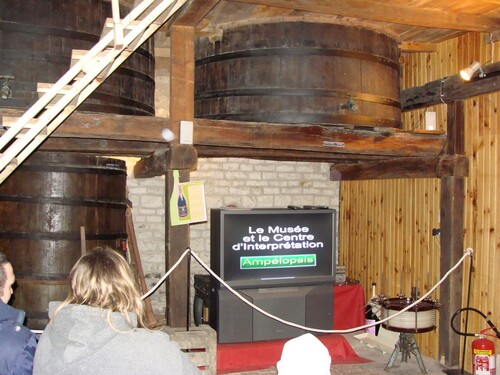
(79, 340)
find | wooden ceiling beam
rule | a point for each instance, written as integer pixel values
(281, 155)
(386, 169)
(317, 138)
(102, 126)
(413, 167)
(452, 88)
(141, 135)
(388, 12)
(109, 147)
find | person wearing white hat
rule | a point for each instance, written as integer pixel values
(304, 355)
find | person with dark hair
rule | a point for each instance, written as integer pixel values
(17, 342)
(99, 329)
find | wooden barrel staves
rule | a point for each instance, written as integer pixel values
(37, 38)
(299, 72)
(44, 205)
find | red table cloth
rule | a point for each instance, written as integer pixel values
(348, 306)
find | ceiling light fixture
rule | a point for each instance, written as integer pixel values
(468, 72)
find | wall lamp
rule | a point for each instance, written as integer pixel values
(5, 91)
(468, 72)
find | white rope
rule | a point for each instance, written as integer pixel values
(153, 289)
(195, 256)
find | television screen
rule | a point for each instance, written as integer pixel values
(273, 247)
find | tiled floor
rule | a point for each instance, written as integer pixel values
(379, 360)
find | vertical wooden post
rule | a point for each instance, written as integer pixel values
(181, 76)
(176, 241)
(452, 231)
(181, 108)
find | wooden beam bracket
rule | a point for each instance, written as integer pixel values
(176, 157)
(410, 167)
(453, 165)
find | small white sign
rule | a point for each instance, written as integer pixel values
(430, 120)
(186, 133)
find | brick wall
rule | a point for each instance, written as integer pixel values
(243, 183)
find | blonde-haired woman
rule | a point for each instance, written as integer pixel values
(99, 328)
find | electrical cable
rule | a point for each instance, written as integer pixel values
(468, 252)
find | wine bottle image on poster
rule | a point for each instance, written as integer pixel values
(187, 203)
(181, 204)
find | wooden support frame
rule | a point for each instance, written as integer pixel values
(181, 108)
(452, 232)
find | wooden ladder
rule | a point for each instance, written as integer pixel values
(119, 39)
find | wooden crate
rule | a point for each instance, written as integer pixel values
(200, 344)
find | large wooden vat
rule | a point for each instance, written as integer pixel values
(44, 205)
(36, 41)
(299, 72)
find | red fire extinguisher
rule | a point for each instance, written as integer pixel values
(483, 356)
(483, 350)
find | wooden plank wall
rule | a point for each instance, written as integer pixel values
(386, 225)
(386, 237)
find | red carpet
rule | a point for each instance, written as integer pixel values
(264, 354)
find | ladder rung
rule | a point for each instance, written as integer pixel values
(20, 134)
(110, 25)
(8, 121)
(42, 88)
(78, 54)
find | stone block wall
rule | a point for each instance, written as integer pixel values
(234, 182)
(148, 213)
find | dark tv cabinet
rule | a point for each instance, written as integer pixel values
(235, 321)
